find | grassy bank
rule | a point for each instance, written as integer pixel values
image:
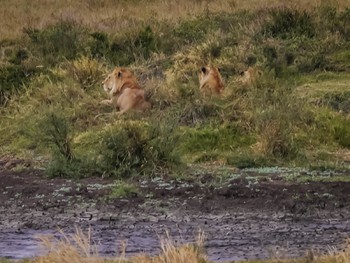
(295, 113)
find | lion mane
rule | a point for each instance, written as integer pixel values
(124, 91)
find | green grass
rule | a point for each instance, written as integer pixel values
(294, 114)
(122, 189)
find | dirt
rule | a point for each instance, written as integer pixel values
(243, 217)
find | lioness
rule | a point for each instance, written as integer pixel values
(210, 81)
(124, 91)
(250, 76)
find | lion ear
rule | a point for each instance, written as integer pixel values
(204, 69)
(119, 74)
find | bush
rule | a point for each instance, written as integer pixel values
(12, 79)
(88, 72)
(137, 148)
(276, 114)
(193, 31)
(99, 45)
(57, 134)
(338, 101)
(335, 22)
(342, 132)
(145, 42)
(125, 48)
(222, 138)
(287, 23)
(122, 189)
(64, 40)
(65, 162)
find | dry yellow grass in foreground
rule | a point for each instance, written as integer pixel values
(79, 249)
(111, 16)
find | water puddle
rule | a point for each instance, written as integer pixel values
(228, 236)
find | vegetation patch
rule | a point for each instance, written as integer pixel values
(292, 110)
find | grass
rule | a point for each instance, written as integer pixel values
(97, 14)
(80, 248)
(295, 113)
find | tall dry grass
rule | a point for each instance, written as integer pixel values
(78, 248)
(110, 15)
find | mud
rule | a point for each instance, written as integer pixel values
(243, 217)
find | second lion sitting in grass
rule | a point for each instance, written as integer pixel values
(210, 81)
(124, 91)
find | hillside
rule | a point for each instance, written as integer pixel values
(295, 113)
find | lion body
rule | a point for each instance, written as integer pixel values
(210, 80)
(124, 91)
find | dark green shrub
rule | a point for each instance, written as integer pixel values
(124, 49)
(335, 22)
(339, 101)
(99, 46)
(145, 42)
(65, 39)
(136, 148)
(12, 79)
(20, 56)
(191, 31)
(198, 112)
(222, 138)
(120, 52)
(57, 134)
(276, 113)
(342, 133)
(248, 160)
(286, 23)
(344, 28)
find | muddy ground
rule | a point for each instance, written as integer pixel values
(244, 216)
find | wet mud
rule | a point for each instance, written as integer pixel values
(240, 219)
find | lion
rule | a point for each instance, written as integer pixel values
(124, 91)
(210, 80)
(250, 76)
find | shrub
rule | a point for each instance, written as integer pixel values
(335, 22)
(122, 189)
(64, 162)
(145, 42)
(286, 23)
(137, 148)
(198, 112)
(99, 45)
(12, 79)
(19, 56)
(275, 138)
(276, 114)
(338, 101)
(65, 39)
(221, 138)
(192, 31)
(126, 47)
(88, 72)
(342, 132)
(57, 132)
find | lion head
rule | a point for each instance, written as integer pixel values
(210, 80)
(119, 79)
(250, 76)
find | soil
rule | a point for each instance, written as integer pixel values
(241, 218)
